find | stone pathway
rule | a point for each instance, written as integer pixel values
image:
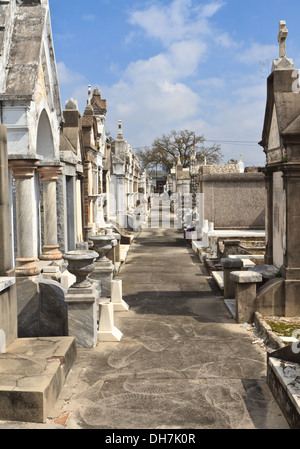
(183, 362)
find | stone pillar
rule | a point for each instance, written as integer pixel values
(121, 202)
(230, 265)
(115, 253)
(107, 329)
(291, 259)
(82, 299)
(49, 177)
(5, 247)
(117, 297)
(269, 216)
(23, 172)
(104, 268)
(245, 294)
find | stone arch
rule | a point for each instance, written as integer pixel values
(45, 143)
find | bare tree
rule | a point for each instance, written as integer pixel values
(168, 148)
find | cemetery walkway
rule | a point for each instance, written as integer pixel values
(183, 362)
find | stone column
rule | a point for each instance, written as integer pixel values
(245, 294)
(82, 299)
(104, 268)
(5, 248)
(291, 262)
(121, 202)
(229, 265)
(23, 172)
(49, 177)
(269, 216)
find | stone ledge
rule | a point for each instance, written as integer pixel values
(245, 277)
(6, 282)
(271, 339)
(219, 278)
(283, 381)
(32, 373)
(232, 262)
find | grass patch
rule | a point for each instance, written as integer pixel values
(283, 329)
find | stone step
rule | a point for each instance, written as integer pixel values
(32, 374)
(231, 306)
(219, 278)
(282, 379)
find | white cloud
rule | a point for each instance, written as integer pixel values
(67, 76)
(258, 52)
(177, 21)
(154, 96)
(179, 61)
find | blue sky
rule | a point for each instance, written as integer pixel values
(166, 65)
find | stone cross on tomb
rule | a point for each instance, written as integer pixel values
(283, 33)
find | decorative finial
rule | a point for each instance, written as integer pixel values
(282, 36)
(89, 94)
(120, 129)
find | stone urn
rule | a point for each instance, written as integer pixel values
(102, 244)
(81, 265)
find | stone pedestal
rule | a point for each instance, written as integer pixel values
(107, 329)
(115, 253)
(23, 172)
(230, 265)
(49, 176)
(104, 268)
(82, 299)
(117, 298)
(245, 294)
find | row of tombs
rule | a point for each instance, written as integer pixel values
(258, 272)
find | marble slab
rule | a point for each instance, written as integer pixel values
(289, 374)
(245, 277)
(219, 278)
(6, 282)
(231, 306)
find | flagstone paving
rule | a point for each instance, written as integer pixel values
(182, 363)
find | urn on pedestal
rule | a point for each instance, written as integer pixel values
(81, 264)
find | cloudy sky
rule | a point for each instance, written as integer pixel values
(166, 65)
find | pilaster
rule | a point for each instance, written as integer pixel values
(49, 176)
(23, 172)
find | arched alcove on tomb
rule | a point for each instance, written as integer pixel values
(45, 144)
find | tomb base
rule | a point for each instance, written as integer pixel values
(82, 316)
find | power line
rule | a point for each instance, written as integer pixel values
(231, 142)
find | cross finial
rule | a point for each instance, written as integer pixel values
(283, 33)
(89, 94)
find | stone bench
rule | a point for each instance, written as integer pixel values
(245, 294)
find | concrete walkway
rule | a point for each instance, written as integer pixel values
(183, 362)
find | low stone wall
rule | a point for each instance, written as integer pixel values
(234, 200)
(8, 311)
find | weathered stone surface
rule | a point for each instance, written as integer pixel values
(5, 249)
(42, 310)
(32, 373)
(232, 263)
(245, 277)
(82, 316)
(53, 311)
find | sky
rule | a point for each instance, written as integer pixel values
(165, 65)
